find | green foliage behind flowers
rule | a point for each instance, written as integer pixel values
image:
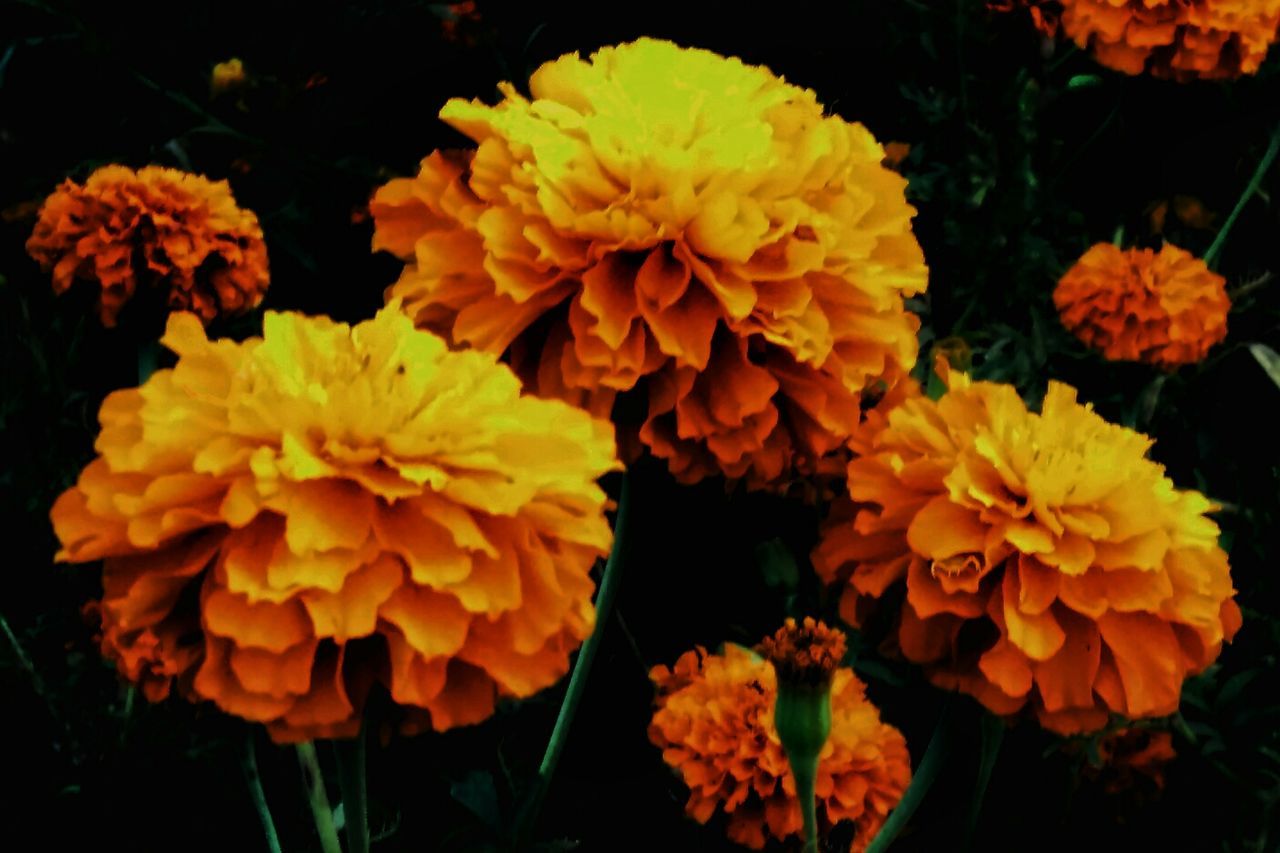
(1022, 156)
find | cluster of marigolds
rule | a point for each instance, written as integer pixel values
(412, 502)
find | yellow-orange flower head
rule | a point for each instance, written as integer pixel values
(227, 76)
(714, 725)
(1165, 308)
(677, 224)
(286, 521)
(1047, 562)
(174, 238)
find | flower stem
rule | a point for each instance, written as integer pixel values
(992, 737)
(321, 812)
(249, 765)
(806, 775)
(355, 795)
(920, 784)
(581, 667)
(1259, 173)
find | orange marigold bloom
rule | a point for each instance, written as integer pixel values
(227, 76)
(805, 653)
(174, 235)
(1178, 39)
(285, 521)
(1165, 308)
(678, 225)
(1047, 562)
(714, 724)
(1133, 755)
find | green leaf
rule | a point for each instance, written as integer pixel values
(477, 794)
(1269, 359)
(1084, 81)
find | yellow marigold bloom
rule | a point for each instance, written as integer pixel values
(1165, 308)
(714, 724)
(1047, 562)
(286, 521)
(677, 225)
(227, 76)
(177, 239)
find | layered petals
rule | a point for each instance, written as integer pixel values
(1164, 308)
(1047, 563)
(174, 239)
(675, 225)
(287, 521)
(714, 725)
(1178, 39)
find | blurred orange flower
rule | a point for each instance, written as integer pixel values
(895, 153)
(1165, 308)
(286, 521)
(227, 76)
(156, 233)
(714, 724)
(1047, 562)
(1132, 755)
(1045, 14)
(678, 225)
(1178, 39)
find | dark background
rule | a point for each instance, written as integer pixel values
(1022, 156)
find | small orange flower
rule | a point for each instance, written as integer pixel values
(167, 235)
(227, 76)
(1133, 755)
(286, 521)
(804, 654)
(677, 226)
(714, 724)
(1047, 562)
(1165, 308)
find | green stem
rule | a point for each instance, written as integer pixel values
(21, 654)
(249, 764)
(1259, 173)
(355, 795)
(806, 776)
(581, 667)
(992, 737)
(321, 811)
(920, 784)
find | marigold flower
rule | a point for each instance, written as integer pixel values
(677, 225)
(1178, 39)
(1047, 562)
(178, 238)
(714, 724)
(806, 653)
(227, 76)
(286, 521)
(1132, 756)
(1044, 14)
(1165, 308)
